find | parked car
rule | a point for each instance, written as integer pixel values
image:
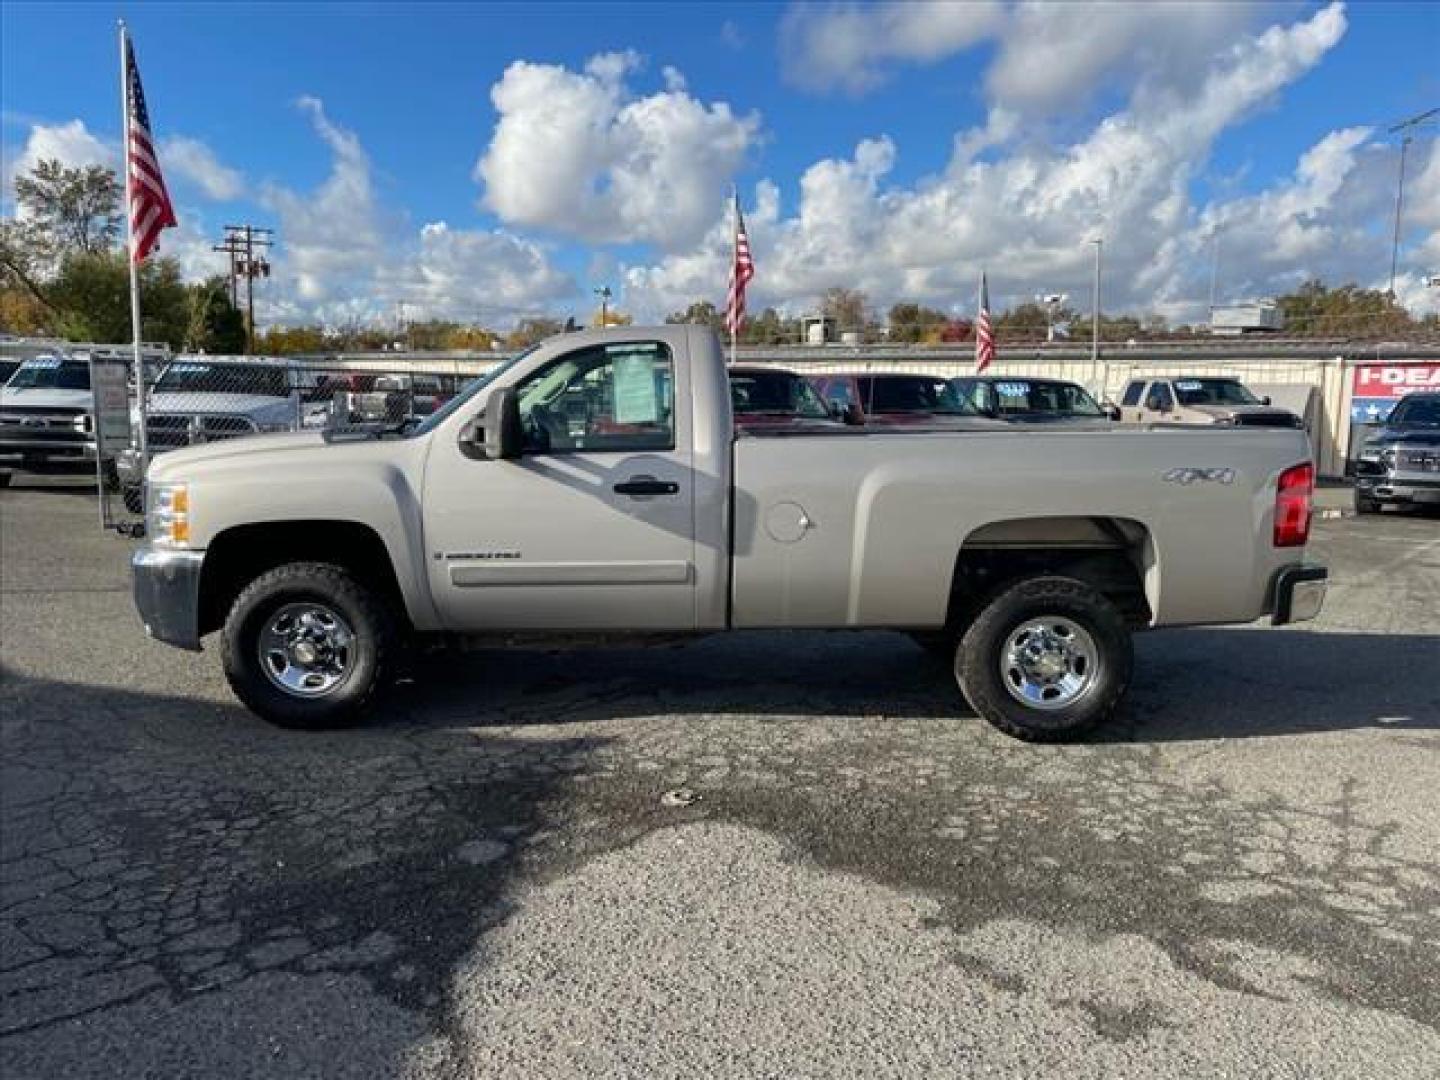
(1205, 399)
(641, 510)
(389, 399)
(1026, 400)
(892, 398)
(769, 397)
(1400, 461)
(46, 422)
(202, 400)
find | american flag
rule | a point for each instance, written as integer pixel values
(150, 207)
(984, 335)
(741, 271)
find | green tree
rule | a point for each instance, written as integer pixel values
(1347, 311)
(71, 211)
(215, 325)
(91, 298)
(700, 313)
(910, 323)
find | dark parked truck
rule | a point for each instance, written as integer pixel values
(598, 483)
(1399, 462)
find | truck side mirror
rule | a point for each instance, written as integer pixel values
(1111, 410)
(853, 416)
(1265, 400)
(504, 435)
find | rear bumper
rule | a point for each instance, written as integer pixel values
(1299, 594)
(167, 594)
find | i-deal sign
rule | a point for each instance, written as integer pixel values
(1395, 380)
(1376, 387)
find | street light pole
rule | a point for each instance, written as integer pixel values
(603, 292)
(1405, 126)
(1095, 314)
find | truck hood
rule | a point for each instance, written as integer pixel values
(180, 464)
(255, 406)
(47, 398)
(1242, 412)
(1417, 435)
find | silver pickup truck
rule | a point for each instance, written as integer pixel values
(597, 483)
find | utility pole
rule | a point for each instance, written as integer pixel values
(246, 245)
(1405, 126)
(1095, 314)
(604, 293)
(1214, 268)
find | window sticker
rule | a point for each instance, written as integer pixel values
(634, 389)
(1012, 389)
(1189, 384)
(190, 369)
(44, 363)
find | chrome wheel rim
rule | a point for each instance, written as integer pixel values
(306, 649)
(1049, 662)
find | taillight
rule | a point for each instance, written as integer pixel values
(1292, 505)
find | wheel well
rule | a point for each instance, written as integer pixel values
(1110, 555)
(237, 556)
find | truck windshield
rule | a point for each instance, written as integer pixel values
(913, 394)
(468, 391)
(1049, 399)
(1214, 392)
(191, 377)
(51, 373)
(1421, 411)
(774, 393)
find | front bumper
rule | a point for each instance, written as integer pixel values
(167, 594)
(1299, 594)
(1400, 487)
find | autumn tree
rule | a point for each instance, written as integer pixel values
(910, 323)
(530, 331)
(846, 307)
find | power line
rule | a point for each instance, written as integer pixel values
(246, 246)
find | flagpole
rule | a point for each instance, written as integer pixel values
(139, 438)
(734, 258)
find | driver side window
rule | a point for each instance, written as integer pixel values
(602, 399)
(1160, 399)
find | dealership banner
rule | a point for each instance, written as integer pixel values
(1377, 387)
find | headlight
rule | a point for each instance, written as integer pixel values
(167, 516)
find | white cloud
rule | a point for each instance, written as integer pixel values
(1052, 55)
(196, 162)
(344, 257)
(70, 143)
(1027, 212)
(576, 153)
(851, 46)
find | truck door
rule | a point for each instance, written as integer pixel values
(592, 528)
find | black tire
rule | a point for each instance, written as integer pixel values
(1366, 505)
(5, 479)
(374, 645)
(134, 498)
(978, 658)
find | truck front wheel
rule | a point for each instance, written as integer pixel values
(306, 645)
(1046, 659)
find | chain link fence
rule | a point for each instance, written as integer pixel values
(199, 400)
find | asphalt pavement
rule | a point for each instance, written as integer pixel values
(783, 854)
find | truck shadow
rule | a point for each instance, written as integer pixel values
(1193, 684)
(215, 863)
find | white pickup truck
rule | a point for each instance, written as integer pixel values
(597, 484)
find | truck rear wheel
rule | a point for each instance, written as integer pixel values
(1046, 659)
(306, 645)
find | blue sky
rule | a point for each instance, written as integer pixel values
(350, 128)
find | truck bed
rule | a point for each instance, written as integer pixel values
(867, 537)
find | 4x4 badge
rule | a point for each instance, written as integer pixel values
(1200, 476)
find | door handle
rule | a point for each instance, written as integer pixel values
(646, 485)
